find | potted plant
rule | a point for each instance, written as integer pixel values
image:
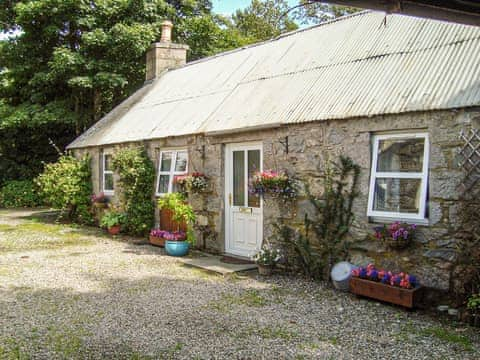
(194, 183)
(177, 241)
(266, 259)
(396, 288)
(99, 201)
(277, 184)
(397, 235)
(113, 221)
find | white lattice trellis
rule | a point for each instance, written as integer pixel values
(470, 157)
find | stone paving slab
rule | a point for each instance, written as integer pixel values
(214, 264)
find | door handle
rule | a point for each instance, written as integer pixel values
(230, 199)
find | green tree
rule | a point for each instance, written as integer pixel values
(314, 12)
(72, 61)
(263, 20)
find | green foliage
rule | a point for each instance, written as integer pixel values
(113, 218)
(137, 176)
(19, 193)
(474, 302)
(67, 185)
(263, 20)
(322, 241)
(182, 212)
(318, 12)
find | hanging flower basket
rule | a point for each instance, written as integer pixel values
(397, 235)
(192, 183)
(274, 183)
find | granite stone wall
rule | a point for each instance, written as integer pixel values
(433, 253)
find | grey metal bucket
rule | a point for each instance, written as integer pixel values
(340, 274)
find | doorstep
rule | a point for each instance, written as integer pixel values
(214, 264)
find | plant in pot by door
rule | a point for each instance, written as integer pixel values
(397, 235)
(177, 242)
(113, 221)
(266, 259)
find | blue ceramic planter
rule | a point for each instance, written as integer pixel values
(176, 248)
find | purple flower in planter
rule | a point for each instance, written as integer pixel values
(386, 278)
(362, 273)
(412, 280)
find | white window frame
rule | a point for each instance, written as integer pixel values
(399, 175)
(105, 172)
(172, 173)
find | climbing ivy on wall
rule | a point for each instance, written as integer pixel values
(137, 174)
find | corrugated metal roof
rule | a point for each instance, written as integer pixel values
(350, 67)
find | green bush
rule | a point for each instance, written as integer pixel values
(19, 193)
(112, 218)
(137, 175)
(67, 185)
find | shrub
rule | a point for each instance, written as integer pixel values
(137, 175)
(19, 193)
(67, 185)
(112, 218)
(322, 241)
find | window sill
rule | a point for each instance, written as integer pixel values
(387, 220)
(109, 193)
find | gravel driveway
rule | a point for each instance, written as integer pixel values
(73, 292)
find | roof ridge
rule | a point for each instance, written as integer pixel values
(281, 36)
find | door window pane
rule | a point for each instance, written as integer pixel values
(400, 155)
(163, 184)
(108, 182)
(253, 167)
(239, 178)
(166, 161)
(181, 163)
(397, 195)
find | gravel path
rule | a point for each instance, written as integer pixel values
(71, 292)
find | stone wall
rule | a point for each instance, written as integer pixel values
(432, 255)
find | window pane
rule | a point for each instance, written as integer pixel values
(181, 163)
(397, 195)
(166, 161)
(108, 163)
(400, 155)
(239, 178)
(163, 184)
(108, 179)
(253, 167)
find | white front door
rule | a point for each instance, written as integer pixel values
(243, 211)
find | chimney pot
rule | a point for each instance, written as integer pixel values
(166, 31)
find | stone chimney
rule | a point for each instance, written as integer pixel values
(165, 55)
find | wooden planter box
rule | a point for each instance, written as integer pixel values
(392, 294)
(167, 223)
(157, 241)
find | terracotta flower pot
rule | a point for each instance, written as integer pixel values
(114, 230)
(265, 270)
(157, 241)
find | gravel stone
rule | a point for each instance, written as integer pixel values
(96, 297)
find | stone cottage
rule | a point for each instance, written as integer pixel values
(393, 95)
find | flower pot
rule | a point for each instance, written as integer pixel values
(176, 248)
(157, 241)
(398, 244)
(167, 222)
(114, 230)
(265, 270)
(392, 294)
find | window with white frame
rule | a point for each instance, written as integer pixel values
(399, 177)
(171, 164)
(107, 179)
